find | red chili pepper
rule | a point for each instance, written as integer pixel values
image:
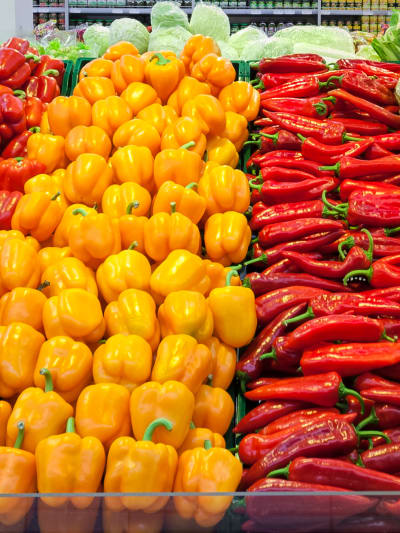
(284, 174)
(372, 68)
(260, 283)
(44, 87)
(15, 172)
(375, 152)
(350, 167)
(281, 140)
(34, 109)
(389, 81)
(359, 84)
(361, 127)
(393, 433)
(329, 154)
(349, 359)
(12, 117)
(368, 380)
(296, 88)
(260, 381)
(264, 413)
(384, 458)
(382, 273)
(389, 293)
(274, 192)
(315, 107)
(275, 156)
(392, 328)
(347, 186)
(297, 163)
(390, 395)
(268, 80)
(47, 63)
(8, 204)
(302, 415)
(292, 63)
(294, 229)
(383, 246)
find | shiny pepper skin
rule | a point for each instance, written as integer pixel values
(69, 219)
(241, 97)
(97, 67)
(197, 437)
(126, 70)
(49, 255)
(217, 71)
(22, 304)
(187, 89)
(118, 199)
(5, 411)
(75, 313)
(47, 149)
(52, 184)
(213, 409)
(227, 237)
(217, 274)
(137, 132)
(223, 362)
(178, 165)
(109, 114)
(235, 129)
(66, 112)
(158, 116)
(94, 88)
(185, 130)
(197, 47)
(139, 95)
(117, 50)
(222, 151)
(19, 265)
(87, 139)
(208, 111)
(132, 231)
(133, 164)
(187, 200)
(68, 273)
(164, 74)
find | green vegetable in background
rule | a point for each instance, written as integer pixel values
(129, 29)
(387, 46)
(168, 15)
(211, 21)
(169, 39)
(250, 35)
(97, 37)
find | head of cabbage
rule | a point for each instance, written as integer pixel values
(129, 29)
(211, 21)
(168, 15)
(173, 39)
(97, 38)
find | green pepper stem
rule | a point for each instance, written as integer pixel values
(329, 99)
(262, 257)
(207, 445)
(340, 209)
(321, 108)
(188, 145)
(48, 387)
(345, 391)
(284, 472)
(370, 252)
(133, 205)
(335, 167)
(19, 159)
(80, 211)
(70, 425)
(368, 272)
(228, 278)
(192, 185)
(161, 60)
(347, 137)
(253, 184)
(58, 193)
(366, 434)
(191, 425)
(386, 337)
(19, 94)
(43, 285)
(347, 242)
(268, 355)
(148, 434)
(35, 129)
(246, 283)
(21, 434)
(305, 316)
(370, 419)
(243, 379)
(133, 245)
(391, 231)
(359, 461)
(35, 58)
(173, 207)
(301, 137)
(370, 445)
(51, 72)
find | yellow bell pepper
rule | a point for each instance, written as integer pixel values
(5, 235)
(197, 47)
(126, 521)
(208, 111)
(38, 214)
(217, 72)
(197, 437)
(74, 313)
(241, 97)
(97, 67)
(223, 363)
(205, 470)
(123, 359)
(236, 129)
(187, 132)
(141, 467)
(181, 270)
(185, 199)
(164, 233)
(132, 231)
(118, 198)
(87, 139)
(187, 89)
(158, 116)
(94, 88)
(164, 74)
(50, 255)
(19, 349)
(139, 95)
(45, 413)
(213, 409)
(110, 113)
(69, 219)
(186, 312)
(126, 70)
(22, 304)
(47, 149)
(68, 273)
(19, 265)
(134, 313)
(217, 274)
(102, 411)
(87, 178)
(222, 151)
(119, 49)
(171, 400)
(49, 183)
(133, 164)
(70, 364)
(181, 358)
(227, 237)
(66, 112)
(225, 189)
(234, 313)
(94, 238)
(178, 165)
(139, 133)
(85, 458)
(127, 270)
(5, 411)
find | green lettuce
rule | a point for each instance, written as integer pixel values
(211, 21)
(168, 15)
(127, 29)
(173, 39)
(97, 38)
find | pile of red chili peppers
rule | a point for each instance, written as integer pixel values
(322, 377)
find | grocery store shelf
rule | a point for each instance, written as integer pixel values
(353, 12)
(115, 11)
(271, 11)
(49, 9)
(146, 10)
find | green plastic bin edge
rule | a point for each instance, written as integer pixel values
(67, 77)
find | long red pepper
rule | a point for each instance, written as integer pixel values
(284, 174)
(375, 152)
(280, 140)
(297, 162)
(347, 186)
(264, 413)
(296, 88)
(272, 191)
(368, 380)
(260, 283)
(361, 127)
(260, 381)
(287, 421)
(295, 229)
(291, 63)
(388, 395)
(382, 273)
(314, 107)
(350, 167)
(390, 293)
(383, 458)
(372, 68)
(329, 154)
(359, 84)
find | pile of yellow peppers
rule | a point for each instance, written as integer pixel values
(119, 313)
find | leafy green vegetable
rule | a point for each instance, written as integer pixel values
(242, 38)
(211, 21)
(331, 55)
(387, 46)
(327, 37)
(278, 47)
(127, 29)
(56, 49)
(168, 15)
(366, 51)
(169, 39)
(228, 51)
(97, 38)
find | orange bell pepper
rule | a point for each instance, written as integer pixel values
(50, 184)
(181, 270)
(181, 358)
(102, 411)
(38, 214)
(127, 270)
(70, 364)
(67, 519)
(148, 56)
(217, 71)
(44, 123)
(184, 132)
(139, 95)
(223, 363)
(164, 233)
(197, 47)
(87, 178)
(110, 113)
(117, 198)
(139, 133)
(241, 97)
(213, 409)
(66, 112)
(225, 189)
(5, 235)
(205, 470)
(99, 67)
(227, 237)
(141, 467)
(133, 164)
(126, 70)
(132, 230)
(186, 312)
(197, 437)
(68, 273)
(50, 255)
(222, 151)
(47, 149)
(74, 313)
(208, 111)
(87, 139)
(187, 89)
(178, 165)
(45, 413)
(233, 309)
(94, 88)
(19, 265)
(164, 74)
(123, 359)
(236, 129)
(217, 274)
(186, 200)
(126, 521)
(68, 220)
(19, 476)
(22, 304)
(5, 411)
(171, 400)
(158, 116)
(119, 49)
(86, 460)
(134, 313)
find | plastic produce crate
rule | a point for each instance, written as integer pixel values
(80, 63)
(67, 77)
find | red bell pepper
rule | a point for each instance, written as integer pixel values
(15, 172)
(12, 117)
(44, 87)
(34, 109)
(47, 63)
(8, 204)
(17, 147)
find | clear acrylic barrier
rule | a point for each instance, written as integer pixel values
(272, 512)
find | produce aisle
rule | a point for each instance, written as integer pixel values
(199, 267)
